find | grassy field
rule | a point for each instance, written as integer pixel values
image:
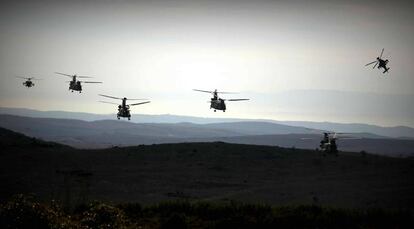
(217, 172)
(199, 185)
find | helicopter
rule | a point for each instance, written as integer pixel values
(328, 143)
(74, 84)
(217, 103)
(28, 82)
(380, 62)
(123, 109)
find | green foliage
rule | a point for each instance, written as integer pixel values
(101, 215)
(24, 212)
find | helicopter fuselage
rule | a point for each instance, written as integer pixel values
(328, 145)
(383, 64)
(75, 86)
(124, 112)
(218, 104)
(28, 83)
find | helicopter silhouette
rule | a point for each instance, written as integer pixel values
(380, 62)
(328, 143)
(217, 103)
(28, 83)
(123, 109)
(74, 84)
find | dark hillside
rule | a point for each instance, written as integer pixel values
(204, 172)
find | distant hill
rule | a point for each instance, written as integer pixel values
(393, 132)
(261, 128)
(108, 133)
(383, 146)
(105, 133)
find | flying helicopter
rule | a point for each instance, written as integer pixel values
(28, 82)
(218, 103)
(74, 84)
(328, 143)
(123, 109)
(380, 62)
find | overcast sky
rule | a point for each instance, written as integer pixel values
(295, 60)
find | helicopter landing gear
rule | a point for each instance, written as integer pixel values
(214, 110)
(129, 118)
(224, 110)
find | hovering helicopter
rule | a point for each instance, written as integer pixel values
(123, 109)
(328, 143)
(74, 84)
(28, 82)
(380, 62)
(217, 103)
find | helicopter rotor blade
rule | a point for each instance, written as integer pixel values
(137, 99)
(371, 63)
(236, 99)
(375, 65)
(223, 92)
(134, 104)
(84, 77)
(112, 97)
(381, 53)
(108, 102)
(90, 81)
(203, 91)
(21, 77)
(63, 74)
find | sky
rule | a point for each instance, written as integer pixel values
(294, 60)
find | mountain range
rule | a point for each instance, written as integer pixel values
(109, 133)
(379, 131)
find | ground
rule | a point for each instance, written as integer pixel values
(217, 172)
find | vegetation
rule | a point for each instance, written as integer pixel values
(26, 212)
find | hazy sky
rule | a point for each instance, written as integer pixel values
(295, 60)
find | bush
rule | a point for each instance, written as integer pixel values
(101, 215)
(24, 212)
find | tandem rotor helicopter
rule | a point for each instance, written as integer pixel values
(380, 62)
(74, 84)
(28, 82)
(123, 109)
(328, 142)
(217, 103)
